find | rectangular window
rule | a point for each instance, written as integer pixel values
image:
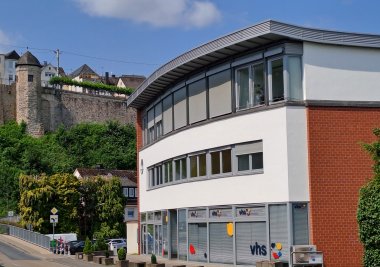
(221, 162)
(167, 107)
(180, 169)
(150, 126)
(159, 179)
(197, 101)
(220, 93)
(198, 165)
(168, 166)
(295, 78)
(258, 95)
(249, 156)
(10, 77)
(276, 78)
(136, 192)
(30, 78)
(180, 110)
(125, 191)
(152, 181)
(158, 119)
(242, 81)
(131, 192)
(215, 162)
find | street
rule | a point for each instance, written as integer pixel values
(15, 252)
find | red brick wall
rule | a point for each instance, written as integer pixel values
(139, 142)
(338, 167)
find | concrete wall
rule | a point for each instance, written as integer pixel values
(285, 176)
(341, 73)
(7, 103)
(132, 245)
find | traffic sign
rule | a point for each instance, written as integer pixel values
(53, 218)
(10, 213)
(53, 211)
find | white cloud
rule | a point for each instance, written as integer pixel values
(159, 13)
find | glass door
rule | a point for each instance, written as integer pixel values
(158, 240)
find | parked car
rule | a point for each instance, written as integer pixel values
(117, 243)
(78, 247)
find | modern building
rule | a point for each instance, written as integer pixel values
(250, 144)
(8, 67)
(129, 187)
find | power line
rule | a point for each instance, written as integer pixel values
(81, 55)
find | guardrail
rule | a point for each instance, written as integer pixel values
(28, 236)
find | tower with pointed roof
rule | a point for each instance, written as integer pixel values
(28, 93)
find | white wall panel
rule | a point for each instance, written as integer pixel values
(341, 73)
(271, 186)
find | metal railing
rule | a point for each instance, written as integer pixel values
(28, 236)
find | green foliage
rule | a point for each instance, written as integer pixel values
(368, 214)
(91, 85)
(85, 145)
(87, 249)
(39, 194)
(153, 259)
(100, 244)
(121, 254)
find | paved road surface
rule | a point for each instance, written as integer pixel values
(16, 253)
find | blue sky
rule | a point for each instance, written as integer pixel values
(137, 36)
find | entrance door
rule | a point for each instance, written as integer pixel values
(143, 239)
(158, 240)
(173, 234)
(149, 239)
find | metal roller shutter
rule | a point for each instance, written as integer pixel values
(221, 244)
(198, 242)
(182, 231)
(251, 242)
(278, 225)
(300, 224)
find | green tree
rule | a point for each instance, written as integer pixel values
(368, 215)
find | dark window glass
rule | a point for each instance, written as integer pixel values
(257, 160)
(226, 160)
(178, 169)
(258, 85)
(243, 162)
(30, 78)
(202, 165)
(277, 80)
(184, 169)
(193, 166)
(215, 162)
(243, 88)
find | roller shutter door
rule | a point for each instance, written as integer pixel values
(182, 231)
(221, 244)
(278, 231)
(251, 242)
(198, 242)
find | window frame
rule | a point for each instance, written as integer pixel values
(270, 80)
(220, 150)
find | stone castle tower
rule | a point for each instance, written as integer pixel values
(28, 93)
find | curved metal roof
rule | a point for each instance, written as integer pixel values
(235, 43)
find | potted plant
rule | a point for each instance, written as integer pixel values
(122, 255)
(87, 250)
(153, 262)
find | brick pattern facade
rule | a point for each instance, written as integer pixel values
(139, 143)
(338, 168)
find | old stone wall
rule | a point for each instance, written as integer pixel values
(70, 108)
(7, 103)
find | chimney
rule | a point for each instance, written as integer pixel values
(107, 78)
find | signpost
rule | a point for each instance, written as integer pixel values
(54, 220)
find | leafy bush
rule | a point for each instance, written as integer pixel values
(87, 247)
(153, 259)
(100, 244)
(121, 254)
(91, 85)
(368, 215)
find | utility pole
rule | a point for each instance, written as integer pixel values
(57, 52)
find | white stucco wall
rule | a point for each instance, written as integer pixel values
(271, 186)
(132, 245)
(341, 73)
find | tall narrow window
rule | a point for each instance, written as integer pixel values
(295, 78)
(30, 78)
(258, 95)
(150, 125)
(220, 93)
(197, 101)
(168, 173)
(180, 111)
(158, 119)
(167, 106)
(243, 88)
(277, 79)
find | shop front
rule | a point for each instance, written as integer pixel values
(235, 234)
